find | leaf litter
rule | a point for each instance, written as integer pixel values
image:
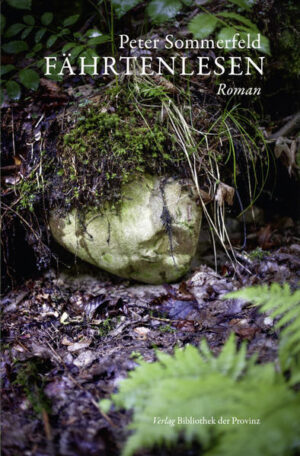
(88, 331)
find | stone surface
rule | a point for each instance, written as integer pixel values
(134, 243)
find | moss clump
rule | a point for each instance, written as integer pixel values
(28, 192)
(31, 189)
(106, 147)
(30, 379)
(258, 254)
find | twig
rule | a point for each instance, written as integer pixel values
(6, 169)
(13, 133)
(39, 121)
(47, 427)
(288, 127)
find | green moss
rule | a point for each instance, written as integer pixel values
(105, 327)
(167, 329)
(29, 378)
(258, 254)
(27, 195)
(104, 149)
(31, 189)
(136, 355)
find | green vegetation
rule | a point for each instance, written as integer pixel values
(141, 126)
(39, 30)
(105, 145)
(167, 329)
(284, 306)
(136, 355)
(257, 254)
(258, 407)
(228, 23)
(35, 36)
(30, 379)
(104, 149)
(160, 126)
(28, 190)
(31, 189)
(105, 327)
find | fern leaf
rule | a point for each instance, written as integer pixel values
(230, 361)
(193, 384)
(280, 303)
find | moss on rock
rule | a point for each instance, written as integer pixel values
(105, 145)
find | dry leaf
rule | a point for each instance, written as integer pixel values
(51, 86)
(12, 180)
(85, 358)
(225, 194)
(206, 198)
(17, 160)
(142, 332)
(286, 148)
(165, 83)
(79, 345)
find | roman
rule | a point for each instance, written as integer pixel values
(228, 91)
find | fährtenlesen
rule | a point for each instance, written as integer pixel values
(146, 65)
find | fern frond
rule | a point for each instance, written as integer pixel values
(194, 384)
(283, 305)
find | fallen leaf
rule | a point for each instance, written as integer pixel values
(224, 194)
(142, 332)
(264, 236)
(66, 341)
(17, 160)
(79, 345)
(85, 358)
(286, 149)
(64, 318)
(12, 180)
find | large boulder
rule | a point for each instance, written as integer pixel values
(151, 238)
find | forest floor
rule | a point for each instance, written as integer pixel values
(69, 338)
(70, 335)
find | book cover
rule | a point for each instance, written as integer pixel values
(150, 227)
